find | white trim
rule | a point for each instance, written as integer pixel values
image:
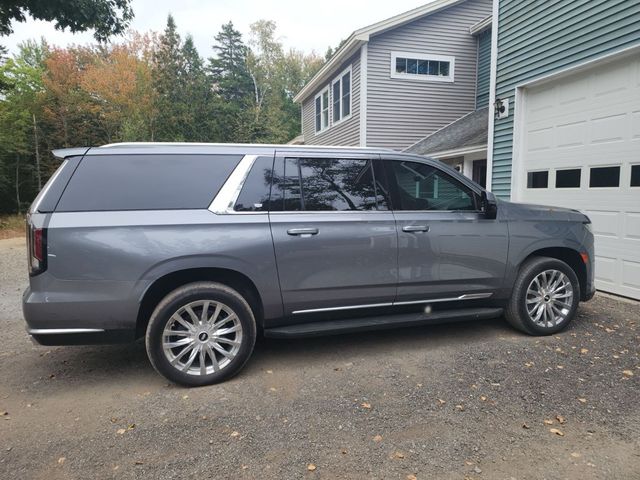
(456, 152)
(364, 53)
(492, 91)
(320, 94)
(518, 185)
(520, 105)
(357, 38)
(338, 79)
(481, 26)
(422, 77)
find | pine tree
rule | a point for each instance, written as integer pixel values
(168, 65)
(198, 122)
(232, 85)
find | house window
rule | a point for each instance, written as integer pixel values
(415, 66)
(538, 179)
(568, 178)
(341, 96)
(635, 176)
(322, 110)
(604, 177)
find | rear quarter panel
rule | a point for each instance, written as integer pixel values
(101, 263)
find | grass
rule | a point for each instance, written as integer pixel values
(11, 226)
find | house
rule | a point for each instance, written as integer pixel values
(462, 144)
(395, 82)
(566, 78)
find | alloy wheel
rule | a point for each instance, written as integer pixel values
(202, 337)
(549, 298)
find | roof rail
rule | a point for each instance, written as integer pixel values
(254, 145)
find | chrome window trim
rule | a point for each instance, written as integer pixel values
(467, 296)
(276, 212)
(62, 331)
(225, 200)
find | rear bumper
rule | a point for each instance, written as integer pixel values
(57, 317)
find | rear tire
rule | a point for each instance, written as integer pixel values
(545, 297)
(200, 334)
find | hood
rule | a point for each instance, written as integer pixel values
(526, 211)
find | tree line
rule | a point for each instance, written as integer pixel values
(149, 87)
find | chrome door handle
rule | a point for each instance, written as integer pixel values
(415, 228)
(304, 232)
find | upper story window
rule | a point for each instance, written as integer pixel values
(341, 96)
(322, 110)
(415, 66)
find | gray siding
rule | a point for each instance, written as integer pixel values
(401, 112)
(345, 133)
(484, 69)
(542, 37)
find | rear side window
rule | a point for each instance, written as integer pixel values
(324, 184)
(254, 196)
(146, 182)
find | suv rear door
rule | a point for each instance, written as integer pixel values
(334, 236)
(446, 248)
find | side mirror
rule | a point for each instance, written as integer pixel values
(488, 204)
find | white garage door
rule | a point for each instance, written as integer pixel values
(579, 147)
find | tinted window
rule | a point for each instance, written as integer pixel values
(537, 179)
(323, 184)
(48, 197)
(254, 196)
(146, 182)
(423, 187)
(336, 184)
(604, 177)
(383, 193)
(635, 175)
(568, 178)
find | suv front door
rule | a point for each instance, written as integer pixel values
(333, 233)
(446, 248)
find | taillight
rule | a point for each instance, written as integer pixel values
(37, 248)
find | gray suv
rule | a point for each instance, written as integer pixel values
(200, 247)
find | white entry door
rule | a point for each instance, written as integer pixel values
(578, 146)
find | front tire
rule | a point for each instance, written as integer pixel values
(201, 333)
(545, 297)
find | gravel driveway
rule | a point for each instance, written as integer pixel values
(470, 400)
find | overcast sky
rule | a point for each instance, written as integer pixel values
(304, 25)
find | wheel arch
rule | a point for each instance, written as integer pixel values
(567, 255)
(170, 281)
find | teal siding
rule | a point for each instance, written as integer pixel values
(544, 36)
(484, 69)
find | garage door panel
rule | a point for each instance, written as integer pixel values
(586, 120)
(635, 124)
(605, 224)
(573, 134)
(632, 227)
(611, 128)
(631, 274)
(605, 269)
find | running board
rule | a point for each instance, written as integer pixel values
(382, 322)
